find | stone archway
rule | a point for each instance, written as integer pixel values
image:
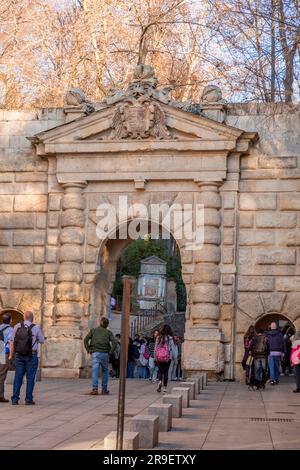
(143, 145)
(265, 321)
(16, 315)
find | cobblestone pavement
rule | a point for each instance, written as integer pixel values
(225, 416)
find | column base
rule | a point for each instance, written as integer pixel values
(203, 350)
(63, 351)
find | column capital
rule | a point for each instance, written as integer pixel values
(209, 185)
(74, 185)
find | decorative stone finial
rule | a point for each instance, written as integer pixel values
(212, 105)
(76, 104)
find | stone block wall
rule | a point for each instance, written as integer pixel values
(23, 209)
(259, 231)
(268, 241)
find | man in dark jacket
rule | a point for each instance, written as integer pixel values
(259, 349)
(277, 350)
(100, 342)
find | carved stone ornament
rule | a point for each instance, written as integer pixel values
(139, 118)
(76, 97)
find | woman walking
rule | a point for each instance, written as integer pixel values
(249, 335)
(295, 359)
(163, 353)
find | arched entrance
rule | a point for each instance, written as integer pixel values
(282, 321)
(110, 253)
(16, 315)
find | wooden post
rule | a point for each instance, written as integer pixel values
(123, 359)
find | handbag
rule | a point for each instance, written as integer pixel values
(249, 361)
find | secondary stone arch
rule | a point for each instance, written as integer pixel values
(108, 253)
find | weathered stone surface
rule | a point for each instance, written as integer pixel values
(208, 254)
(28, 238)
(22, 221)
(288, 201)
(16, 255)
(250, 303)
(72, 218)
(39, 254)
(228, 236)
(288, 283)
(6, 238)
(27, 281)
(148, 429)
(206, 293)
(256, 283)
(71, 253)
(69, 291)
(273, 302)
(253, 237)
(6, 203)
(72, 235)
(276, 220)
(176, 402)
(252, 202)
(265, 161)
(130, 441)
(70, 272)
(275, 256)
(30, 203)
(164, 412)
(204, 311)
(73, 201)
(185, 392)
(228, 200)
(228, 218)
(290, 238)
(227, 255)
(246, 219)
(292, 306)
(206, 273)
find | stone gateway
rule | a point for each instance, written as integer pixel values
(241, 162)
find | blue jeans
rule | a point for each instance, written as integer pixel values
(274, 365)
(25, 365)
(130, 370)
(100, 359)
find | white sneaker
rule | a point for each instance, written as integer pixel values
(164, 390)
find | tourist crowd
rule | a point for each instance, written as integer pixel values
(270, 354)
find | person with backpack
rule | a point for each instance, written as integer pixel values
(295, 359)
(287, 367)
(277, 351)
(153, 369)
(100, 343)
(25, 346)
(6, 333)
(258, 350)
(115, 357)
(163, 353)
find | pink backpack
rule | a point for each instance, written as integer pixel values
(295, 355)
(162, 353)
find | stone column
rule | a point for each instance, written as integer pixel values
(205, 296)
(64, 351)
(202, 347)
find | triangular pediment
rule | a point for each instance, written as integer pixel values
(91, 132)
(181, 124)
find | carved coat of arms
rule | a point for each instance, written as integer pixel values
(139, 118)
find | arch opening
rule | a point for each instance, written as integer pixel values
(282, 321)
(16, 315)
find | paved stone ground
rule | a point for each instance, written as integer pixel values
(226, 416)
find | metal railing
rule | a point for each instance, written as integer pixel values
(145, 318)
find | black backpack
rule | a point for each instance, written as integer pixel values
(2, 334)
(260, 345)
(23, 340)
